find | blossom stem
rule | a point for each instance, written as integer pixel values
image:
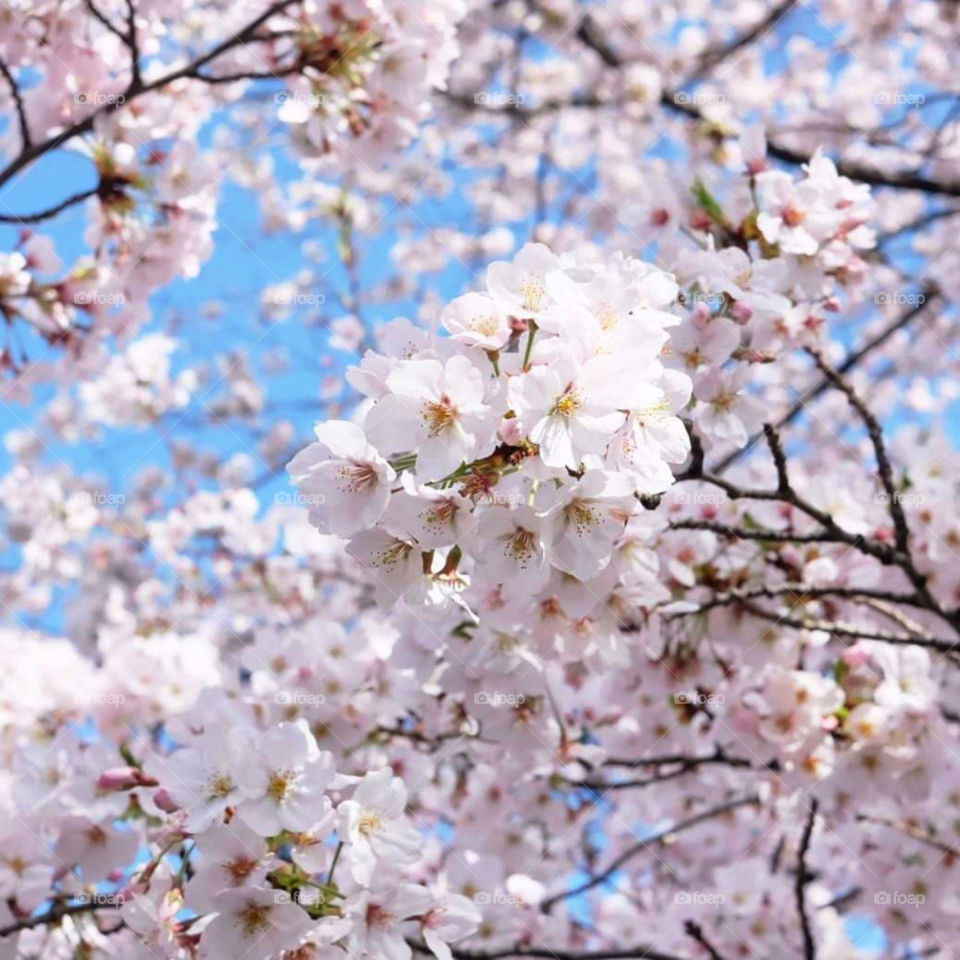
(336, 858)
(526, 353)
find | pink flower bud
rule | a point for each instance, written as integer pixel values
(164, 801)
(119, 778)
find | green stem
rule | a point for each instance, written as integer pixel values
(333, 866)
(526, 353)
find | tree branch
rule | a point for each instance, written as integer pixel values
(25, 139)
(803, 876)
(52, 211)
(631, 852)
(875, 432)
(188, 71)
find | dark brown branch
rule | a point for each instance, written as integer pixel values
(841, 629)
(104, 20)
(52, 211)
(25, 139)
(551, 953)
(853, 359)
(713, 58)
(55, 914)
(718, 756)
(132, 43)
(591, 36)
(875, 432)
(695, 932)
(800, 883)
(650, 841)
(188, 71)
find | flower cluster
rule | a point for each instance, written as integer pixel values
(513, 456)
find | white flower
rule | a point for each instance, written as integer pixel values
(378, 920)
(202, 778)
(95, 848)
(520, 287)
(395, 564)
(436, 409)
(345, 482)
(434, 518)
(476, 320)
(374, 827)
(723, 412)
(231, 856)
(584, 525)
(283, 782)
(509, 549)
(567, 409)
(451, 917)
(253, 923)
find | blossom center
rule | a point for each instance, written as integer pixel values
(567, 405)
(522, 546)
(370, 822)
(358, 476)
(439, 416)
(254, 919)
(279, 785)
(533, 293)
(220, 787)
(240, 869)
(378, 916)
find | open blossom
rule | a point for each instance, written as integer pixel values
(284, 781)
(565, 410)
(510, 548)
(94, 848)
(477, 320)
(725, 411)
(520, 287)
(451, 917)
(232, 856)
(253, 922)
(345, 482)
(202, 778)
(374, 826)
(586, 523)
(380, 914)
(571, 667)
(436, 409)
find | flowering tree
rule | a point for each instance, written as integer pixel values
(611, 608)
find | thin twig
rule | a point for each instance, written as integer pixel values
(809, 945)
